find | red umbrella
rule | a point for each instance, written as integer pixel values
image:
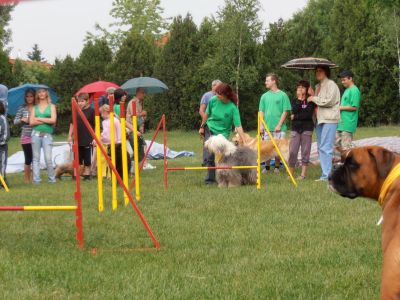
(98, 88)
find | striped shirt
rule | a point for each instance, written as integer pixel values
(23, 112)
(4, 130)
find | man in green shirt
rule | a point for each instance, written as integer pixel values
(274, 107)
(349, 108)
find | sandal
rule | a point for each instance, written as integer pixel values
(301, 177)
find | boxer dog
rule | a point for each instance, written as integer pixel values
(371, 172)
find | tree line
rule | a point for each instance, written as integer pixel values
(234, 46)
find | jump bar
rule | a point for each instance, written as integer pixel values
(37, 208)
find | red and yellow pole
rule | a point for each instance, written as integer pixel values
(98, 157)
(123, 151)
(114, 201)
(38, 208)
(135, 150)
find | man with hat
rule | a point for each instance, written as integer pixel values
(349, 108)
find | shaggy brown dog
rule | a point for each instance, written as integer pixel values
(267, 148)
(66, 169)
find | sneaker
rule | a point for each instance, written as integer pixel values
(148, 166)
(321, 179)
(301, 177)
(276, 170)
(264, 171)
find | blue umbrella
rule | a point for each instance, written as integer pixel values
(16, 96)
(149, 84)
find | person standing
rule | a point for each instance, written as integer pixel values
(4, 97)
(85, 140)
(327, 99)
(302, 128)
(221, 114)
(274, 106)
(22, 118)
(4, 137)
(42, 118)
(349, 108)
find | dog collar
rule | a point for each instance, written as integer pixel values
(388, 182)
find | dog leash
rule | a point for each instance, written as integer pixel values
(393, 175)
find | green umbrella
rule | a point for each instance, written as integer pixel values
(308, 63)
(149, 84)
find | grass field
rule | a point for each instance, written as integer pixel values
(278, 243)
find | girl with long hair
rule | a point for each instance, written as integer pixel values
(43, 117)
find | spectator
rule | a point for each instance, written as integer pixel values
(327, 99)
(302, 128)
(42, 117)
(274, 107)
(349, 108)
(207, 96)
(104, 99)
(4, 137)
(119, 96)
(4, 98)
(85, 140)
(221, 114)
(22, 118)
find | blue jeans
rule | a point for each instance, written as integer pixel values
(326, 134)
(44, 141)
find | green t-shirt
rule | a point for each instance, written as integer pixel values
(273, 104)
(221, 116)
(117, 110)
(349, 119)
(47, 128)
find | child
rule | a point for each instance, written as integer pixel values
(106, 136)
(84, 138)
(302, 128)
(4, 137)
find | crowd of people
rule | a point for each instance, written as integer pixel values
(333, 117)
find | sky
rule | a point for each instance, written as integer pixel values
(59, 26)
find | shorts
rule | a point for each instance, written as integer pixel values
(85, 155)
(344, 140)
(276, 135)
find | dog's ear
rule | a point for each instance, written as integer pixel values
(383, 159)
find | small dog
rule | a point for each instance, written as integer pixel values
(66, 169)
(267, 149)
(227, 154)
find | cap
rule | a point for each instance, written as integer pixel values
(346, 73)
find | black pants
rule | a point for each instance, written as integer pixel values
(27, 148)
(141, 144)
(208, 157)
(118, 158)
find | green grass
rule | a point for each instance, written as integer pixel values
(277, 243)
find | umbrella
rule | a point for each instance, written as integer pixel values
(150, 85)
(16, 96)
(308, 63)
(98, 88)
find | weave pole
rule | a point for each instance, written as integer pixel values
(114, 201)
(277, 149)
(123, 150)
(118, 177)
(4, 183)
(98, 157)
(135, 150)
(165, 154)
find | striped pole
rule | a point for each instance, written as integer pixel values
(165, 153)
(4, 183)
(112, 141)
(123, 150)
(258, 152)
(38, 208)
(210, 168)
(135, 150)
(98, 158)
(279, 152)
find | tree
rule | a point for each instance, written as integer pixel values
(136, 57)
(93, 61)
(35, 54)
(5, 17)
(137, 17)
(33, 73)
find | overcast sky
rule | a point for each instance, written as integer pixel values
(59, 26)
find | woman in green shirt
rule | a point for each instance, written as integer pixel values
(220, 116)
(42, 117)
